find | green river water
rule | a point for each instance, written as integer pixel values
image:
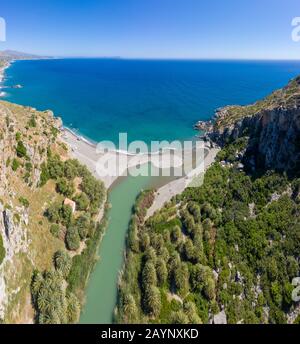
(101, 293)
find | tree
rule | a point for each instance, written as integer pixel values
(62, 262)
(179, 318)
(181, 279)
(176, 234)
(71, 169)
(152, 301)
(72, 239)
(149, 275)
(73, 309)
(82, 201)
(65, 187)
(144, 241)
(53, 212)
(161, 271)
(66, 214)
(129, 309)
(83, 224)
(189, 250)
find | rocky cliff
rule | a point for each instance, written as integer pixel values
(272, 126)
(25, 240)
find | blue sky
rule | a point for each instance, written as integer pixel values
(251, 29)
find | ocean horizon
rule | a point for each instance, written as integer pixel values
(150, 99)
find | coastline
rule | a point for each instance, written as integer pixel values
(86, 152)
(6, 65)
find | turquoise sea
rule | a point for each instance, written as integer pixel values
(148, 99)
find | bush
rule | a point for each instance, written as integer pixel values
(21, 150)
(53, 212)
(15, 165)
(24, 201)
(44, 177)
(71, 169)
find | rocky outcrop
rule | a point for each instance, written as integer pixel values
(274, 139)
(8, 222)
(220, 318)
(273, 128)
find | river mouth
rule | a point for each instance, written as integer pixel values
(102, 289)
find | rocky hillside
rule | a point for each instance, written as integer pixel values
(25, 136)
(272, 126)
(37, 224)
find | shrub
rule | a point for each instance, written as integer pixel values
(44, 177)
(21, 150)
(32, 122)
(15, 165)
(24, 201)
(53, 212)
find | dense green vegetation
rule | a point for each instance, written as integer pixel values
(53, 303)
(57, 294)
(230, 245)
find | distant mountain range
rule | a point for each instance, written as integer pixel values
(16, 55)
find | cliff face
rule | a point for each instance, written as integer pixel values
(273, 128)
(25, 240)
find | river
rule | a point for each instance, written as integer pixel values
(101, 293)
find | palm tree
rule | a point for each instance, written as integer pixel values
(152, 301)
(149, 275)
(36, 282)
(62, 262)
(161, 271)
(73, 308)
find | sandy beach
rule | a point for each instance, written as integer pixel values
(176, 187)
(87, 154)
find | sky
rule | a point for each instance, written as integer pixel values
(181, 29)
